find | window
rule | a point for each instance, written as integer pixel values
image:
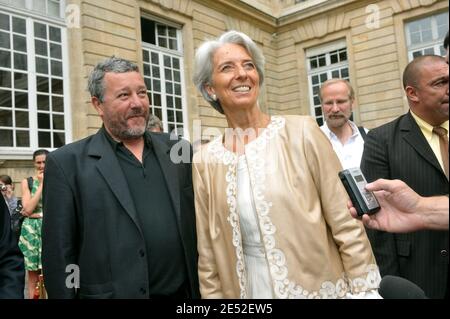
(51, 8)
(323, 63)
(163, 74)
(32, 101)
(426, 36)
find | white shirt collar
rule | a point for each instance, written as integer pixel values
(331, 135)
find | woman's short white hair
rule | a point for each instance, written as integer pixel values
(205, 55)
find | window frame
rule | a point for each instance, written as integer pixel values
(436, 44)
(161, 51)
(29, 11)
(30, 17)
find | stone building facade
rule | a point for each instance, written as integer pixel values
(48, 48)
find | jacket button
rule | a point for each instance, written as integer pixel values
(444, 253)
(143, 291)
(141, 253)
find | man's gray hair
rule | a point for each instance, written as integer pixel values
(154, 122)
(205, 55)
(96, 85)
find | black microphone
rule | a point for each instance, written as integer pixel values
(392, 287)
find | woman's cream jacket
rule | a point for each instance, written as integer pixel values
(314, 248)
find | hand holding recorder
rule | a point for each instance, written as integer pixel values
(355, 184)
(403, 210)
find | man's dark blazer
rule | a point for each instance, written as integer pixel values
(12, 271)
(399, 150)
(90, 221)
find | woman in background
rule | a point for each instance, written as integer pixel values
(30, 242)
(7, 190)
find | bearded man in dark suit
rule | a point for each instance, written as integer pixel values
(119, 219)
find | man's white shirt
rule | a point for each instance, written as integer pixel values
(349, 154)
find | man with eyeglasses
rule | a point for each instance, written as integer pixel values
(337, 97)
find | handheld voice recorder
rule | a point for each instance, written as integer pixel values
(354, 183)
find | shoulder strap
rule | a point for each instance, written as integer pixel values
(362, 131)
(30, 183)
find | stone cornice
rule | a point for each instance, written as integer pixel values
(305, 10)
(280, 17)
(254, 13)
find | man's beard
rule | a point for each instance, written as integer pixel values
(122, 131)
(130, 133)
(335, 122)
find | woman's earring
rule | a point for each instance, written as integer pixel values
(214, 97)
